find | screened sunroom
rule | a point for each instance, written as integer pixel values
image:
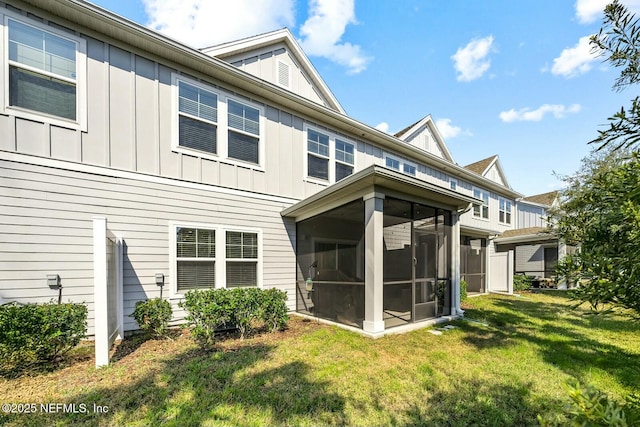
(378, 250)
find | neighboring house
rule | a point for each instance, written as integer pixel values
(536, 249)
(231, 166)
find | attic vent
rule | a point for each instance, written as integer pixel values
(284, 74)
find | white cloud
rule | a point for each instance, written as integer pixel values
(324, 28)
(471, 61)
(575, 60)
(527, 115)
(588, 11)
(203, 23)
(446, 129)
(384, 127)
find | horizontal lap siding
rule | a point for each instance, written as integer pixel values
(46, 228)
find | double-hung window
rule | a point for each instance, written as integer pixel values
(481, 210)
(197, 118)
(210, 256)
(344, 159)
(244, 132)
(211, 124)
(44, 71)
(329, 157)
(242, 259)
(195, 258)
(318, 155)
(504, 212)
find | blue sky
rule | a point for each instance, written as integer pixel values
(513, 78)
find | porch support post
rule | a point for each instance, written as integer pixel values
(373, 275)
(455, 264)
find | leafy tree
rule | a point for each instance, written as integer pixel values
(600, 213)
(618, 41)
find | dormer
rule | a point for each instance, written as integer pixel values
(424, 134)
(490, 168)
(277, 58)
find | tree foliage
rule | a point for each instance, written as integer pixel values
(618, 41)
(600, 213)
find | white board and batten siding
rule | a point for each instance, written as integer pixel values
(46, 228)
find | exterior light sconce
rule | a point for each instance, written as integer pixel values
(53, 281)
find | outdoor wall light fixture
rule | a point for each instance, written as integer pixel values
(53, 281)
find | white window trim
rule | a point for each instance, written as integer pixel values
(331, 157)
(81, 74)
(502, 199)
(220, 259)
(222, 125)
(402, 162)
(481, 218)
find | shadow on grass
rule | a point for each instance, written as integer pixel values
(554, 329)
(199, 387)
(474, 403)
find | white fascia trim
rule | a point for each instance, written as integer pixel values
(137, 176)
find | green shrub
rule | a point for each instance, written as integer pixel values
(208, 310)
(274, 311)
(522, 282)
(153, 315)
(242, 308)
(591, 407)
(463, 290)
(34, 333)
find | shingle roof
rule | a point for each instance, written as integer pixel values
(480, 166)
(525, 231)
(542, 199)
(405, 130)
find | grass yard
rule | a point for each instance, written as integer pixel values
(504, 368)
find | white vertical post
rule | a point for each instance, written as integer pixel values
(510, 259)
(100, 297)
(455, 264)
(374, 268)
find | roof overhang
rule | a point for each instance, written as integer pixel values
(102, 24)
(477, 231)
(382, 180)
(526, 238)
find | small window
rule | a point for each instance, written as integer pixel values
(318, 155)
(242, 259)
(453, 184)
(481, 211)
(392, 163)
(344, 159)
(409, 169)
(198, 117)
(43, 71)
(195, 258)
(504, 211)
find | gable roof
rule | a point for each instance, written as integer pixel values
(415, 129)
(481, 166)
(485, 166)
(546, 199)
(249, 44)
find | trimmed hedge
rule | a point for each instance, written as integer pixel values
(153, 315)
(522, 282)
(34, 333)
(241, 308)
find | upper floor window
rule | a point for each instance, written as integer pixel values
(344, 159)
(212, 123)
(44, 72)
(453, 184)
(329, 158)
(400, 165)
(504, 212)
(481, 211)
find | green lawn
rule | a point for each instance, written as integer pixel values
(503, 369)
